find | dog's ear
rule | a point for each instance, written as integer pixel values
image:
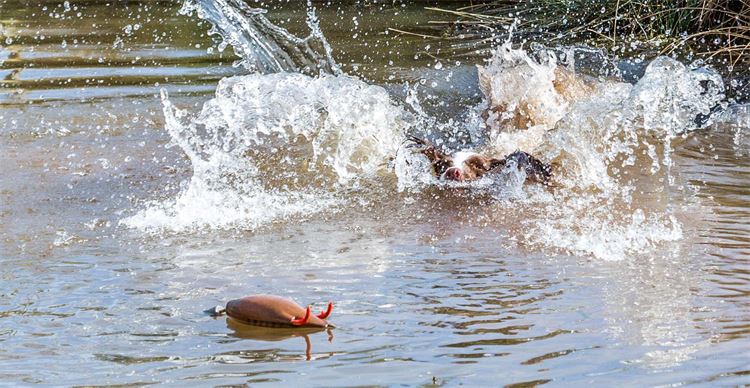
(479, 164)
(496, 163)
(539, 171)
(439, 160)
(536, 170)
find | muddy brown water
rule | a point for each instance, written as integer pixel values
(427, 290)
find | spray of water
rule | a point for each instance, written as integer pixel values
(261, 45)
(279, 144)
(270, 147)
(611, 143)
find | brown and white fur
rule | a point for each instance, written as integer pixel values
(466, 166)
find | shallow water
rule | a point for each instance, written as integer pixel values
(114, 242)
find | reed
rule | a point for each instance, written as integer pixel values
(697, 29)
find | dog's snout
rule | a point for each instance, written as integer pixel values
(454, 174)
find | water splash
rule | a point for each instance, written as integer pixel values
(275, 145)
(263, 46)
(602, 135)
(611, 142)
(271, 147)
(519, 91)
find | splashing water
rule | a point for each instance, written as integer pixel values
(261, 45)
(601, 135)
(276, 144)
(273, 146)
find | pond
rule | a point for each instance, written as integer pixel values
(150, 172)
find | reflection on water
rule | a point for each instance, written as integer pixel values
(431, 286)
(78, 51)
(264, 334)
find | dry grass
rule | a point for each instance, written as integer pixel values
(707, 29)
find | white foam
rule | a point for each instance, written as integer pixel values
(269, 147)
(277, 146)
(600, 134)
(261, 45)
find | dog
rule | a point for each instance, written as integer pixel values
(466, 166)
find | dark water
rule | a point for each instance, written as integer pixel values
(428, 290)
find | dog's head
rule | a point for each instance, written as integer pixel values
(460, 166)
(466, 166)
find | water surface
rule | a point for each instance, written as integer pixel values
(106, 273)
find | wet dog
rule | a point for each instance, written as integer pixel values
(466, 166)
